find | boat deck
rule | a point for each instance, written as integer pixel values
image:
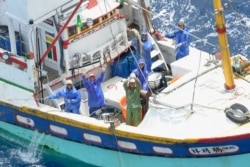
(195, 107)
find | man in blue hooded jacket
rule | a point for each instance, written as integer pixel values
(181, 37)
(72, 97)
(141, 73)
(95, 93)
(147, 47)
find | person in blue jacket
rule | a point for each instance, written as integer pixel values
(141, 72)
(95, 93)
(181, 36)
(72, 97)
(147, 47)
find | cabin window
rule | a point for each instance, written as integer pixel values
(84, 27)
(95, 21)
(71, 30)
(112, 13)
(52, 54)
(104, 17)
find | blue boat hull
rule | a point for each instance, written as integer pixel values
(107, 153)
(108, 158)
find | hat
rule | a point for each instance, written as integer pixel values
(141, 61)
(144, 32)
(91, 75)
(132, 80)
(69, 82)
(181, 22)
(132, 75)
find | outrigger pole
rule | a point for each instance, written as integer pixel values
(223, 43)
(60, 32)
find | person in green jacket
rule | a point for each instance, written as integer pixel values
(132, 88)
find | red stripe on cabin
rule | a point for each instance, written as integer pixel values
(65, 44)
(54, 54)
(92, 3)
(16, 61)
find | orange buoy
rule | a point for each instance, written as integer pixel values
(123, 105)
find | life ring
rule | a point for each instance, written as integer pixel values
(232, 111)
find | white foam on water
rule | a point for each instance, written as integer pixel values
(33, 152)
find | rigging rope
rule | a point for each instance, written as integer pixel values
(196, 78)
(119, 151)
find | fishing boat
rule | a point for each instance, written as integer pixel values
(197, 116)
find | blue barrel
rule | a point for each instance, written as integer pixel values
(3, 32)
(124, 65)
(18, 43)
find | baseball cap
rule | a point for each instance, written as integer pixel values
(132, 80)
(144, 32)
(91, 74)
(141, 61)
(69, 82)
(181, 22)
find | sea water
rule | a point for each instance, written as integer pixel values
(15, 152)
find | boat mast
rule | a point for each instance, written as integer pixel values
(223, 43)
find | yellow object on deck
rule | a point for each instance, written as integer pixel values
(224, 46)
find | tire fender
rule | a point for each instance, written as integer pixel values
(230, 113)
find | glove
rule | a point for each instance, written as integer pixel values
(68, 100)
(49, 98)
(178, 45)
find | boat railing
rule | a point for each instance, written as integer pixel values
(100, 21)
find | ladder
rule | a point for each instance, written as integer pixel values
(58, 103)
(157, 57)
